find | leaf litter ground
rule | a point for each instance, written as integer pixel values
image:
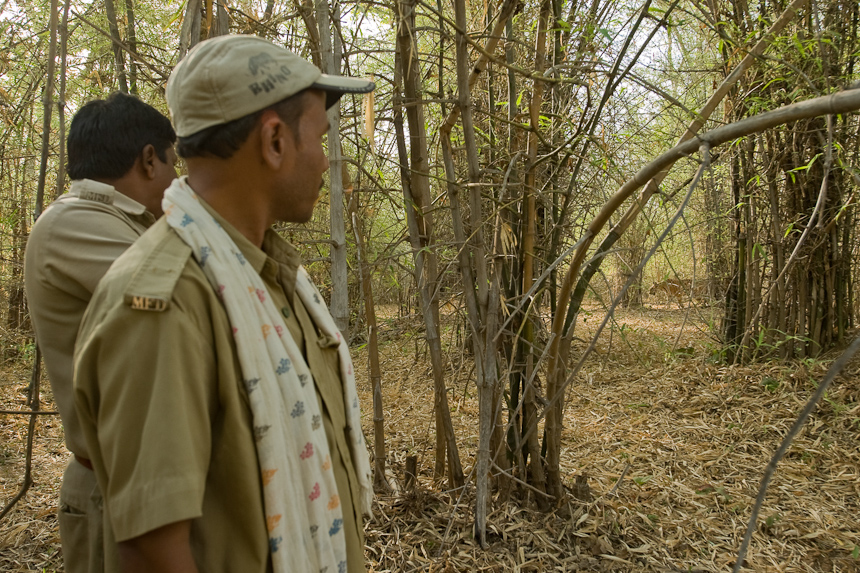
(687, 438)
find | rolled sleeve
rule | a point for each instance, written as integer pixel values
(144, 383)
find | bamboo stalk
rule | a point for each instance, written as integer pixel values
(417, 202)
(61, 102)
(119, 58)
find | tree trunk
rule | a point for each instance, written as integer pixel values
(379, 482)
(119, 56)
(553, 415)
(47, 111)
(61, 103)
(330, 55)
(416, 190)
(132, 45)
(189, 35)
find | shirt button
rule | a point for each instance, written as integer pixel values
(286, 312)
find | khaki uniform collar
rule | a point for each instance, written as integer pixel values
(274, 245)
(104, 193)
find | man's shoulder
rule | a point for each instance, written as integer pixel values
(145, 276)
(68, 210)
(156, 287)
(85, 195)
(87, 208)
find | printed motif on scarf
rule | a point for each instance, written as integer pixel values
(284, 366)
(276, 378)
(307, 452)
(272, 522)
(268, 475)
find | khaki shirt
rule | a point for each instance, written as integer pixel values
(164, 410)
(69, 250)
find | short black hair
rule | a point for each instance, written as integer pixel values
(225, 139)
(107, 136)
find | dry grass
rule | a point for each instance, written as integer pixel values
(689, 440)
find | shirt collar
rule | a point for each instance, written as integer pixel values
(274, 245)
(104, 193)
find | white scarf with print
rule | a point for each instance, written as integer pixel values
(303, 510)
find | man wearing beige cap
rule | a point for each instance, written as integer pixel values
(216, 394)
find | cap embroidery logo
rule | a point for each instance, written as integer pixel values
(265, 65)
(261, 60)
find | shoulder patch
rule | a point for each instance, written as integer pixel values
(151, 286)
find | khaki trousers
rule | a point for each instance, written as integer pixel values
(81, 522)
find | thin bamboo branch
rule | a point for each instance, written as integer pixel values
(834, 370)
(134, 55)
(29, 412)
(505, 12)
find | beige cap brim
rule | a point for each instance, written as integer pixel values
(336, 86)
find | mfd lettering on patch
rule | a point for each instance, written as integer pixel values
(148, 303)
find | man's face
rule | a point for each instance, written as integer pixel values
(165, 173)
(302, 175)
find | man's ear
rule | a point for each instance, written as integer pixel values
(276, 140)
(148, 157)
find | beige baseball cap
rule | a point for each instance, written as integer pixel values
(229, 77)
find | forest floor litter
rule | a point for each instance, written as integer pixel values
(688, 438)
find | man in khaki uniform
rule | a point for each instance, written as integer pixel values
(121, 160)
(162, 387)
